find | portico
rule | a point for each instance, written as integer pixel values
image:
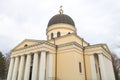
(32, 65)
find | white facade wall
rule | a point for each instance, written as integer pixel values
(106, 68)
(109, 69)
(102, 67)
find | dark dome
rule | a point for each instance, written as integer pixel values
(61, 18)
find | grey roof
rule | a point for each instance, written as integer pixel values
(61, 18)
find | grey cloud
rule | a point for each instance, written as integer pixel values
(96, 21)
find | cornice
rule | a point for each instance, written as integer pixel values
(98, 45)
(98, 48)
(41, 46)
(71, 46)
(70, 43)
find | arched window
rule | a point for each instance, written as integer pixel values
(51, 35)
(58, 34)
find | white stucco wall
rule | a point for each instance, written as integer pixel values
(109, 69)
(106, 68)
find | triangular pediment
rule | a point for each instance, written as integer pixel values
(106, 47)
(26, 42)
(102, 46)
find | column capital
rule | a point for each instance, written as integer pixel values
(43, 51)
(36, 52)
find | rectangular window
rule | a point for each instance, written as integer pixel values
(80, 67)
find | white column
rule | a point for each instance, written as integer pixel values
(49, 66)
(9, 76)
(15, 70)
(102, 67)
(35, 67)
(27, 67)
(112, 74)
(21, 69)
(93, 69)
(42, 66)
(109, 70)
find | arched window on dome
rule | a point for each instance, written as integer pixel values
(58, 34)
(52, 35)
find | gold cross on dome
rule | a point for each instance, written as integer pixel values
(61, 11)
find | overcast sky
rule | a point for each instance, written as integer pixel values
(97, 21)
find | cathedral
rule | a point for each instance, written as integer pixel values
(63, 56)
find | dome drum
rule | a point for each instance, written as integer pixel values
(64, 29)
(61, 23)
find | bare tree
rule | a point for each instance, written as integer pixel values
(116, 65)
(7, 58)
(2, 66)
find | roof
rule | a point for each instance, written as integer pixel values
(61, 18)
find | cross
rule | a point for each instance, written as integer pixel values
(61, 11)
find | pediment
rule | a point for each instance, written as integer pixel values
(26, 42)
(99, 46)
(106, 47)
